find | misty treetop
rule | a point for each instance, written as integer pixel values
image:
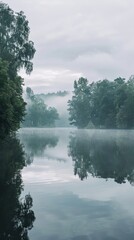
(16, 52)
(102, 104)
(52, 94)
(59, 101)
(38, 114)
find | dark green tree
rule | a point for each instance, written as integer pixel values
(125, 104)
(12, 105)
(16, 52)
(79, 105)
(103, 104)
(103, 107)
(15, 46)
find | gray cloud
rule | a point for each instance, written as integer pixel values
(93, 38)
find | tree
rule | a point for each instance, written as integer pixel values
(125, 104)
(16, 52)
(129, 103)
(79, 106)
(15, 46)
(38, 113)
(103, 104)
(12, 105)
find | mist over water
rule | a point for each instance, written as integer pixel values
(97, 153)
(98, 207)
(63, 176)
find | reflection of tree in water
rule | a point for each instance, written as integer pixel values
(103, 154)
(35, 144)
(16, 216)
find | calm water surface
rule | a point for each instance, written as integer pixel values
(81, 183)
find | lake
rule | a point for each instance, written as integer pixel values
(79, 184)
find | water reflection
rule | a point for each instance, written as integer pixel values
(16, 215)
(102, 209)
(104, 154)
(36, 143)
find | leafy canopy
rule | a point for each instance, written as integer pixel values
(79, 106)
(16, 52)
(15, 46)
(103, 104)
(12, 106)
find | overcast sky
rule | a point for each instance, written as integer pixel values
(73, 38)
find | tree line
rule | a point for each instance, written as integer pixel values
(38, 114)
(102, 104)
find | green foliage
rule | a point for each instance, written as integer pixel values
(103, 104)
(38, 113)
(79, 106)
(15, 46)
(103, 114)
(125, 115)
(16, 51)
(12, 106)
